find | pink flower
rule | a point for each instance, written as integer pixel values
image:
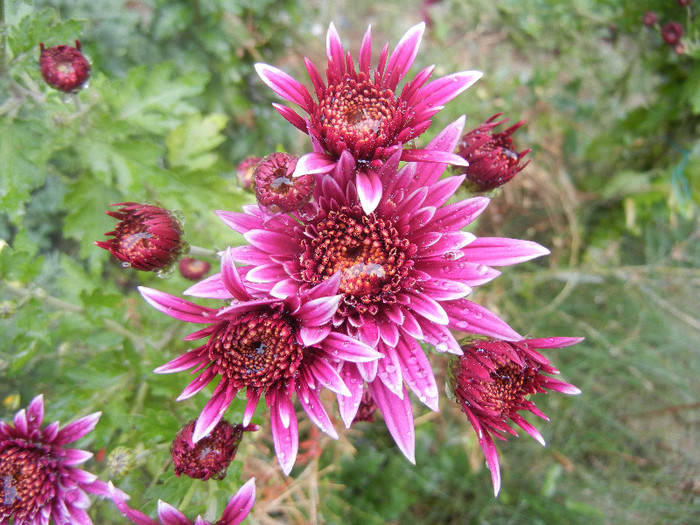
(262, 345)
(494, 380)
(147, 238)
(672, 32)
(235, 512)
(492, 158)
(405, 270)
(361, 111)
(64, 67)
(275, 188)
(40, 482)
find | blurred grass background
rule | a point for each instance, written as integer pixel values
(612, 117)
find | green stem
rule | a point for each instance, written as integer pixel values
(188, 496)
(196, 251)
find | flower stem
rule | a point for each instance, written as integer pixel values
(196, 251)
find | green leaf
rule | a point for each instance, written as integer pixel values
(153, 98)
(42, 27)
(190, 145)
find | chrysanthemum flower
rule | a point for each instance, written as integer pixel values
(235, 512)
(146, 238)
(244, 171)
(263, 345)
(494, 380)
(492, 158)
(405, 271)
(39, 480)
(64, 67)
(275, 188)
(210, 456)
(363, 111)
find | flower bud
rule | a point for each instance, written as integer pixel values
(244, 171)
(492, 158)
(672, 33)
(193, 269)
(211, 455)
(64, 67)
(147, 238)
(276, 189)
(650, 18)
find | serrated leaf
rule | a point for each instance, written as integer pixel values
(154, 98)
(42, 27)
(190, 145)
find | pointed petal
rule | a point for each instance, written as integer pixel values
(403, 56)
(292, 117)
(286, 439)
(369, 190)
(318, 312)
(253, 395)
(311, 336)
(347, 348)
(35, 412)
(432, 155)
(389, 370)
(418, 373)
(176, 307)
(325, 374)
(398, 417)
(239, 506)
(314, 163)
(77, 429)
(500, 251)
(169, 515)
(365, 55)
(212, 287)
(553, 342)
(348, 405)
(213, 411)
(442, 90)
(427, 307)
(285, 86)
(313, 407)
(467, 316)
(277, 243)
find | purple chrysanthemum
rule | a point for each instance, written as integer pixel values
(405, 271)
(363, 112)
(263, 345)
(39, 480)
(494, 380)
(235, 512)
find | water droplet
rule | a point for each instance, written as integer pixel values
(390, 369)
(441, 346)
(126, 264)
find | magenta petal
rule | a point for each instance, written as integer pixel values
(272, 242)
(325, 374)
(314, 163)
(311, 336)
(253, 395)
(176, 307)
(499, 251)
(180, 363)
(292, 117)
(239, 506)
(134, 515)
(74, 456)
(213, 411)
(369, 190)
(313, 407)
(467, 316)
(389, 370)
(431, 155)
(348, 405)
(529, 428)
(418, 373)
(445, 290)
(35, 412)
(286, 439)
(398, 417)
(342, 346)
(553, 342)
(403, 56)
(285, 86)
(232, 280)
(77, 429)
(444, 89)
(317, 312)
(169, 515)
(20, 422)
(212, 287)
(266, 273)
(428, 308)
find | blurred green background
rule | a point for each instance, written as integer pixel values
(612, 116)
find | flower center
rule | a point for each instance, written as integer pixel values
(25, 483)
(359, 115)
(275, 188)
(210, 456)
(257, 349)
(372, 256)
(507, 388)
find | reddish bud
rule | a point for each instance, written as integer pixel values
(193, 269)
(492, 158)
(672, 33)
(276, 189)
(64, 68)
(245, 170)
(146, 238)
(211, 455)
(650, 18)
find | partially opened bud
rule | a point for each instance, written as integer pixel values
(492, 158)
(672, 33)
(211, 455)
(245, 170)
(276, 189)
(193, 269)
(146, 238)
(64, 67)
